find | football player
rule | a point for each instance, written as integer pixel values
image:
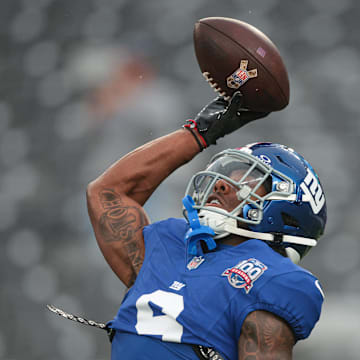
(223, 282)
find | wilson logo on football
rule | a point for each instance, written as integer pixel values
(245, 273)
(313, 192)
(240, 76)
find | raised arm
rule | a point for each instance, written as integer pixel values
(264, 336)
(116, 197)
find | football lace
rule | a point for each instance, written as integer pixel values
(215, 85)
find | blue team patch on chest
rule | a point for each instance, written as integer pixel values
(245, 273)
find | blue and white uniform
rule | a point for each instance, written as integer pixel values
(180, 299)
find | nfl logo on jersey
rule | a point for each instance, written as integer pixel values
(195, 262)
(245, 273)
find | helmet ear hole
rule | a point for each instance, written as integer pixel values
(289, 220)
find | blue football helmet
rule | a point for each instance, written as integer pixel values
(290, 214)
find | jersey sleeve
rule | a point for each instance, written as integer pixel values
(296, 297)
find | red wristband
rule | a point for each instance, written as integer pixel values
(192, 127)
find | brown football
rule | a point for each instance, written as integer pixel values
(236, 56)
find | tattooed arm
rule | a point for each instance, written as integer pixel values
(115, 199)
(264, 336)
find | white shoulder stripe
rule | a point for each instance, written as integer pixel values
(317, 284)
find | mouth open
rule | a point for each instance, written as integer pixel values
(214, 201)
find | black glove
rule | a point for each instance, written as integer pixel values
(220, 118)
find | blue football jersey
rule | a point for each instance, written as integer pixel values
(204, 299)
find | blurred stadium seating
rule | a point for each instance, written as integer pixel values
(83, 82)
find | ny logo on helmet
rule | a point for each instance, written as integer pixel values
(313, 192)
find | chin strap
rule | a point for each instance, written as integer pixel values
(270, 237)
(223, 225)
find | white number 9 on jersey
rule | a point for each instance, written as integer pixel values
(166, 325)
